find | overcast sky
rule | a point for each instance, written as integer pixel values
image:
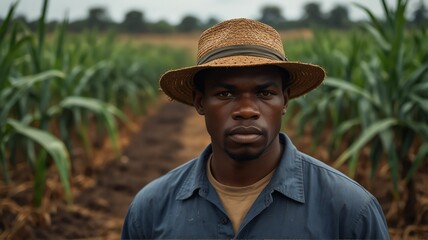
(173, 11)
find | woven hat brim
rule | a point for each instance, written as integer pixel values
(304, 77)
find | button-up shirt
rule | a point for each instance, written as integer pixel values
(304, 199)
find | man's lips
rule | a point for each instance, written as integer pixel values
(245, 134)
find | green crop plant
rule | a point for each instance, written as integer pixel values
(375, 97)
(326, 107)
(55, 85)
(392, 103)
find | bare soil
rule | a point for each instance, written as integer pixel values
(104, 185)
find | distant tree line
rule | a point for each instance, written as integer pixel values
(135, 22)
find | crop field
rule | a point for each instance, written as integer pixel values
(83, 125)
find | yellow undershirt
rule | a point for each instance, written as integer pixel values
(237, 200)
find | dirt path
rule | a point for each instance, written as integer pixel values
(104, 186)
(157, 148)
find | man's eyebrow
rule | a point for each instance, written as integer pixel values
(224, 85)
(233, 87)
(267, 85)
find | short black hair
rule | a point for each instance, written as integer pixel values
(199, 78)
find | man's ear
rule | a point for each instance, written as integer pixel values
(198, 97)
(286, 94)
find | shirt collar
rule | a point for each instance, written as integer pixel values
(197, 177)
(287, 180)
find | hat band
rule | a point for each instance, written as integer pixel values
(241, 50)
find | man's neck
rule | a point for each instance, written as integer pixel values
(240, 173)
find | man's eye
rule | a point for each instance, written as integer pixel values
(224, 94)
(265, 93)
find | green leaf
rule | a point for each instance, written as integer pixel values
(388, 12)
(59, 53)
(405, 109)
(381, 41)
(387, 138)
(421, 128)
(417, 77)
(421, 87)
(116, 112)
(351, 88)
(107, 112)
(423, 103)
(353, 165)
(89, 73)
(8, 60)
(84, 137)
(28, 81)
(53, 146)
(344, 127)
(373, 19)
(30, 151)
(20, 88)
(376, 128)
(40, 179)
(375, 156)
(407, 139)
(41, 30)
(5, 24)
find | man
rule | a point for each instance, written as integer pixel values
(251, 182)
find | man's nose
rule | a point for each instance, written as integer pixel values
(246, 107)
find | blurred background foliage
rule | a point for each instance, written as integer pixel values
(373, 104)
(136, 22)
(54, 86)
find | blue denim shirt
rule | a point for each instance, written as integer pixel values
(305, 199)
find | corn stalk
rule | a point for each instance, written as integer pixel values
(68, 82)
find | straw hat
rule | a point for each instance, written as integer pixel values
(238, 43)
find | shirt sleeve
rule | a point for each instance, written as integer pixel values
(136, 222)
(371, 223)
(131, 228)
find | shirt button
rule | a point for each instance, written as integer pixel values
(224, 220)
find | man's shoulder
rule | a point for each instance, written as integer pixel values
(331, 180)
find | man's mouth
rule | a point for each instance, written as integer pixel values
(245, 134)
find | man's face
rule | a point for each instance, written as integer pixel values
(243, 109)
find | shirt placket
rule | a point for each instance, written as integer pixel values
(224, 226)
(261, 203)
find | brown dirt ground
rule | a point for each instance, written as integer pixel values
(104, 185)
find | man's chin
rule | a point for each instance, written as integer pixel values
(244, 156)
